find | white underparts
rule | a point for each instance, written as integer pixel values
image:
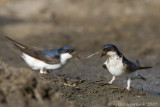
(39, 65)
(111, 53)
(65, 57)
(115, 65)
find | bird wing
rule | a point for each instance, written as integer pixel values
(128, 65)
(35, 53)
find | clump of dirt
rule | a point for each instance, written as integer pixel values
(28, 88)
(24, 88)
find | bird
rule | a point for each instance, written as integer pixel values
(43, 60)
(118, 65)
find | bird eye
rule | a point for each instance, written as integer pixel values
(66, 50)
(109, 48)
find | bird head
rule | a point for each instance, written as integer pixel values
(109, 50)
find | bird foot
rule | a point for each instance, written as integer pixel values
(128, 88)
(110, 82)
(44, 71)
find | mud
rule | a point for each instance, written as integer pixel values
(27, 89)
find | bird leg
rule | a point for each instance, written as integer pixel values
(43, 71)
(129, 84)
(112, 80)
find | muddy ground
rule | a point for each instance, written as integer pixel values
(86, 25)
(29, 89)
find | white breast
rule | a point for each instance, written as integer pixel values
(115, 66)
(65, 57)
(37, 64)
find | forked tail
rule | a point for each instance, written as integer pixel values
(144, 68)
(140, 77)
(139, 67)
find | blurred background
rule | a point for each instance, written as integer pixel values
(87, 25)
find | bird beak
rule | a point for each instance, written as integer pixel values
(102, 53)
(75, 54)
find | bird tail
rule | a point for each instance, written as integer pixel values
(139, 66)
(17, 44)
(144, 68)
(140, 77)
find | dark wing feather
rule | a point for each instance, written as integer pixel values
(40, 56)
(35, 53)
(128, 65)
